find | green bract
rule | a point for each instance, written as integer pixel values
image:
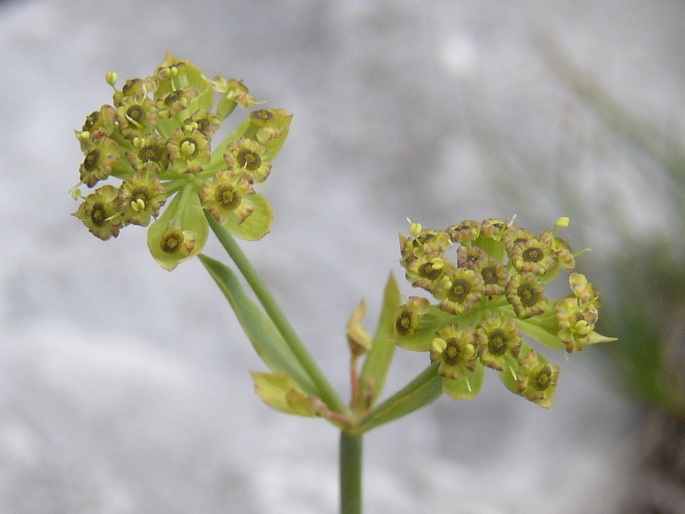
(157, 139)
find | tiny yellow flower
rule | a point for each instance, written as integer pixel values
(248, 157)
(459, 290)
(464, 232)
(140, 198)
(227, 197)
(457, 350)
(537, 379)
(98, 212)
(526, 294)
(497, 336)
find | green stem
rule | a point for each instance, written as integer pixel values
(326, 391)
(351, 449)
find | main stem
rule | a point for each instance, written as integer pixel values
(351, 449)
(326, 391)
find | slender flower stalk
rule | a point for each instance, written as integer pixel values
(328, 394)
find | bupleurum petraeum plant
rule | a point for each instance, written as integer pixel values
(486, 279)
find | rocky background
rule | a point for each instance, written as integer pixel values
(124, 389)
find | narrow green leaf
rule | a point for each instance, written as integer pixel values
(380, 356)
(323, 387)
(422, 391)
(262, 333)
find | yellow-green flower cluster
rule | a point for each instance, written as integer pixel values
(156, 141)
(487, 294)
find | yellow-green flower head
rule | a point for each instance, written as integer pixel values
(268, 126)
(526, 294)
(101, 154)
(423, 242)
(427, 270)
(149, 152)
(406, 250)
(133, 88)
(464, 232)
(233, 92)
(227, 197)
(98, 212)
(249, 158)
(514, 235)
(101, 121)
(176, 241)
(559, 247)
(584, 290)
(457, 350)
(459, 290)
(495, 277)
(140, 198)
(205, 121)
(470, 257)
(408, 318)
(494, 228)
(499, 268)
(578, 314)
(262, 117)
(530, 255)
(174, 73)
(537, 379)
(565, 257)
(157, 139)
(575, 323)
(497, 337)
(176, 101)
(189, 150)
(237, 91)
(136, 116)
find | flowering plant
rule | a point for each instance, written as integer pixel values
(487, 279)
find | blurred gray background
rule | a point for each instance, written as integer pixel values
(124, 388)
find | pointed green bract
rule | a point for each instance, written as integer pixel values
(258, 224)
(420, 392)
(540, 333)
(281, 126)
(183, 216)
(508, 374)
(279, 391)
(380, 356)
(466, 387)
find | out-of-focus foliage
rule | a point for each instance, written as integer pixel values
(645, 300)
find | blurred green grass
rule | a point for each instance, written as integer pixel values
(646, 301)
(620, 176)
